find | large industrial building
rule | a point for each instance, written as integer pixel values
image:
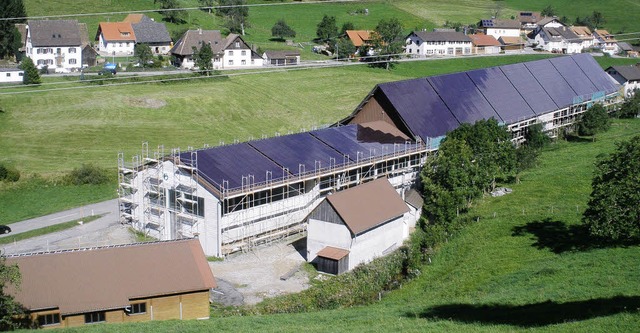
(233, 197)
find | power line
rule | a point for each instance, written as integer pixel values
(175, 9)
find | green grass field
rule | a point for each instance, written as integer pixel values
(528, 267)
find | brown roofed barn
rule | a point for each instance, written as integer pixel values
(139, 282)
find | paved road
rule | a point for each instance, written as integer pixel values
(106, 230)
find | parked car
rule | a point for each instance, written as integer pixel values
(4, 229)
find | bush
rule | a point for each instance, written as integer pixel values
(88, 174)
(9, 173)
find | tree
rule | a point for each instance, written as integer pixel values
(630, 108)
(327, 28)
(345, 48)
(386, 42)
(143, 53)
(203, 59)
(170, 10)
(9, 40)
(447, 181)
(613, 212)
(282, 30)
(10, 310)
(346, 26)
(593, 121)
(535, 137)
(548, 11)
(31, 74)
(236, 13)
(597, 19)
(206, 3)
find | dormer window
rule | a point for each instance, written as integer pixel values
(237, 44)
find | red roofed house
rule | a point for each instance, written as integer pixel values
(115, 39)
(485, 44)
(360, 38)
(354, 226)
(128, 283)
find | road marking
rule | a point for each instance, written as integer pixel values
(61, 217)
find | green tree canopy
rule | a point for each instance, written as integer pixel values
(345, 48)
(327, 28)
(9, 40)
(594, 120)
(10, 310)
(281, 30)
(387, 42)
(144, 54)
(613, 211)
(346, 26)
(203, 59)
(170, 10)
(31, 73)
(548, 11)
(236, 14)
(630, 108)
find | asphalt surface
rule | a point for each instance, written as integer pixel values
(103, 231)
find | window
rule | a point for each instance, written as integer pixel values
(243, 53)
(230, 62)
(21, 74)
(230, 53)
(8, 74)
(138, 308)
(49, 319)
(58, 51)
(244, 62)
(72, 61)
(94, 317)
(72, 50)
(120, 44)
(237, 44)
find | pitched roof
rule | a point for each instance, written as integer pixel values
(333, 253)
(484, 40)
(529, 17)
(629, 73)
(624, 46)
(503, 24)
(107, 278)
(548, 19)
(148, 31)
(368, 205)
(281, 54)
(359, 37)
(116, 31)
(582, 32)
(505, 40)
(136, 18)
(605, 35)
(442, 36)
(561, 33)
(195, 38)
(414, 198)
(54, 33)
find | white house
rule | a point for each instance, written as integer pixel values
(485, 44)
(627, 76)
(356, 225)
(501, 28)
(229, 52)
(115, 39)
(585, 35)
(558, 40)
(56, 44)
(11, 75)
(606, 42)
(445, 43)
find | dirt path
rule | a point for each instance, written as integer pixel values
(257, 275)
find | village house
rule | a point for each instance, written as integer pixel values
(361, 39)
(585, 35)
(11, 75)
(606, 42)
(55, 44)
(627, 76)
(229, 52)
(281, 58)
(500, 28)
(528, 21)
(115, 39)
(485, 44)
(122, 283)
(356, 225)
(151, 33)
(559, 40)
(444, 43)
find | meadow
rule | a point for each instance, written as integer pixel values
(524, 265)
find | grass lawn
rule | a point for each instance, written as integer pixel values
(513, 270)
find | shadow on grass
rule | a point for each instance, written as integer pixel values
(532, 315)
(558, 237)
(578, 139)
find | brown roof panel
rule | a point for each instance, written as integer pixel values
(368, 205)
(109, 277)
(484, 40)
(117, 31)
(333, 253)
(359, 37)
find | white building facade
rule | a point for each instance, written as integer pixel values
(421, 43)
(55, 44)
(11, 75)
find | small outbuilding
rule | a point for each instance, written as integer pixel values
(126, 283)
(281, 58)
(11, 75)
(354, 226)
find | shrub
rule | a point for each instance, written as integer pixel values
(9, 173)
(88, 174)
